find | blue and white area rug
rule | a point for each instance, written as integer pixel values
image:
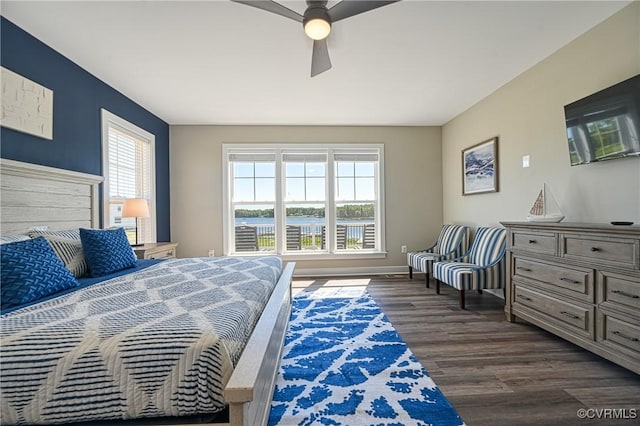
(345, 364)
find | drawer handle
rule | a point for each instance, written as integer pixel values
(525, 298)
(522, 268)
(569, 314)
(595, 249)
(532, 241)
(622, 293)
(569, 280)
(633, 339)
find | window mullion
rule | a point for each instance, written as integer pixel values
(279, 205)
(330, 209)
(255, 193)
(353, 181)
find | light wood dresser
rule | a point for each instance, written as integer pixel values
(580, 282)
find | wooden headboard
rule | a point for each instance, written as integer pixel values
(33, 195)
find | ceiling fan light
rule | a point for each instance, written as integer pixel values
(317, 28)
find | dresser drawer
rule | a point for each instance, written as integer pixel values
(156, 251)
(619, 333)
(574, 281)
(537, 242)
(161, 254)
(564, 314)
(620, 292)
(602, 250)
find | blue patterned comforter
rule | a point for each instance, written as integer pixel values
(159, 342)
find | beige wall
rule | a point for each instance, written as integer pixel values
(423, 164)
(413, 185)
(527, 114)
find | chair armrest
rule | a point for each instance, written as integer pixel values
(427, 250)
(464, 259)
(473, 266)
(450, 253)
(430, 249)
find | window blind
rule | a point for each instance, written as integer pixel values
(356, 157)
(130, 173)
(252, 156)
(304, 158)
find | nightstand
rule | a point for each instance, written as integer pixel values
(156, 251)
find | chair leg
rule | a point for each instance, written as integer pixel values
(426, 276)
(437, 286)
(410, 272)
(461, 298)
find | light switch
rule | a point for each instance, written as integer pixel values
(525, 161)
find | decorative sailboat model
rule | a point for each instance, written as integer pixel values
(545, 208)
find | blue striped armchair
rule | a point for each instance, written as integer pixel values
(483, 266)
(453, 242)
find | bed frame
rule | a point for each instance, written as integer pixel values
(33, 195)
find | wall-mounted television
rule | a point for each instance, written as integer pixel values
(606, 124)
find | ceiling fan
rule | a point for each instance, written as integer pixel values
(317, 20)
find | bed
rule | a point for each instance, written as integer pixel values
(131, 350)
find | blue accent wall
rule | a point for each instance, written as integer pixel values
(78, 97)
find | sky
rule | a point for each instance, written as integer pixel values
(304, 182)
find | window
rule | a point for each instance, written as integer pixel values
(128, 154)
(253, 200)
(303, 199)
(305, 184)
(356, 189)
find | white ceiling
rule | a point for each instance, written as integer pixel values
(218, 62)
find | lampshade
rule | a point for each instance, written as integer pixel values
(317, 28)
(135, 207)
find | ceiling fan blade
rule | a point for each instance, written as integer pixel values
(320, 61)
(273, 7)
(347, 8)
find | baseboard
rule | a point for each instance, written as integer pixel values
(334, 272)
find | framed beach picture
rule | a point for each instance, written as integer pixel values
(480, 168)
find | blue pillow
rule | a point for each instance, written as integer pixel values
(106, 250)
(30, 270)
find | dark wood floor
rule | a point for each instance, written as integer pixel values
(494, 372)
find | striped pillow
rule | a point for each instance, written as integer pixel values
(68, 247)
(13, 238)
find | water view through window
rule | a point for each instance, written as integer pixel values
(310, 230)
(328, 199)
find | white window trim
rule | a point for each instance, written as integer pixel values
(108, 118)
(227, 216)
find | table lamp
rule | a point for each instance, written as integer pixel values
(135, 207)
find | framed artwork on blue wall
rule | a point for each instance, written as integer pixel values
(480, 167)
(26, 106)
